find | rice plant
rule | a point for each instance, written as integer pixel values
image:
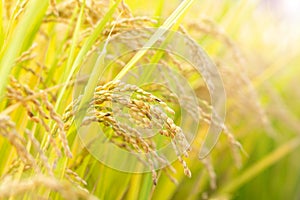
(148, 100)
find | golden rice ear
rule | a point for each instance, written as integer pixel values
(8, 130)
(211, 172)
(65, 189)
(141, 109)
(44, 109)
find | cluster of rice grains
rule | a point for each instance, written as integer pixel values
(44, 111)
(36, 160)
(144, 110)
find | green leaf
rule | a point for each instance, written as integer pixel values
(21, 39)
